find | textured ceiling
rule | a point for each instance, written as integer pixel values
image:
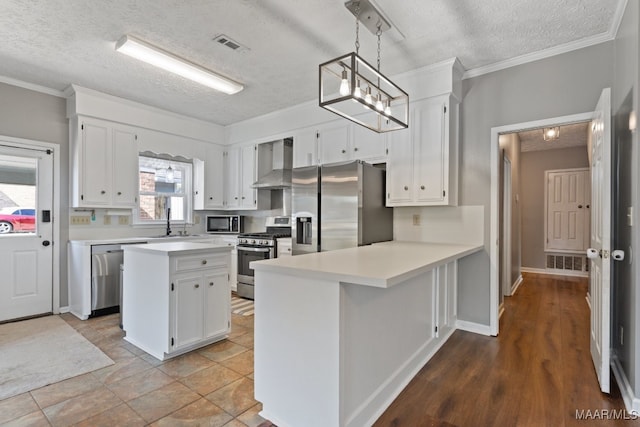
(54, 43)
(574, 135)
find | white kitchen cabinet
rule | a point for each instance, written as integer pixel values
(104, 164)
(349, 141)
(305, 148)
(240, 174)
(284, 246)
(176, 296)
(422, 166)
(209, 180)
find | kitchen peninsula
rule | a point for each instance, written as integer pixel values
(339, 334)
(176, 296)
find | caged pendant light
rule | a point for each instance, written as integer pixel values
(354, 89)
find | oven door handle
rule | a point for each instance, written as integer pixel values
(250, 249)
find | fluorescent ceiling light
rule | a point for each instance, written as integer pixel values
(155, 56)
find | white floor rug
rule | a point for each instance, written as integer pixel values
(42, 351)
(241, 306)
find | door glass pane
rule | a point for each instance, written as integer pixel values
(17, 195)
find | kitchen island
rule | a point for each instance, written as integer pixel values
(339, 334)
(176, 296)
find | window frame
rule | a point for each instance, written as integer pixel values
(186, 193)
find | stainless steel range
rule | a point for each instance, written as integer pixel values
(256, 247)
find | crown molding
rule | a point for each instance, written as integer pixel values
(32, 86)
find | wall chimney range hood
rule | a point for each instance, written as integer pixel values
(280, 174)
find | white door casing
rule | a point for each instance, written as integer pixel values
(26, 259)
(506, 228)
(567, 201)
(599, 252)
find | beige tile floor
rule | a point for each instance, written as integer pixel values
(212, 386)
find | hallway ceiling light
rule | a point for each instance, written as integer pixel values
(345, 79)
(162, 59)
(551, 134)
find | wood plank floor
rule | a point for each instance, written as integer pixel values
(537, 372)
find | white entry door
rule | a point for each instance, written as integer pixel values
(599, 252)
(26, 254)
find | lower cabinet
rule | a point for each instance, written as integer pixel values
(173, 302)
(199, 307)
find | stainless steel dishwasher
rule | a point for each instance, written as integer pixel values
(105, 278)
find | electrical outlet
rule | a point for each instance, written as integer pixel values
(107, 220)
(416, 219)
(123, 220)
(80, 220)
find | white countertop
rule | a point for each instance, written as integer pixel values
(380, 265)
(151, 239)
(182, 248)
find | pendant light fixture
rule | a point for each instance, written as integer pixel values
(349, 83)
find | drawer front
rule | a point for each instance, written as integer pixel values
(195, 262)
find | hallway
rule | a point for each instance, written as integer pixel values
(537, 372)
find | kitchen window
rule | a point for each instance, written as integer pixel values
(164, 184)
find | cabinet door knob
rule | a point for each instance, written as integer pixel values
(579, 206)
(242, 197)
(210, 283)
(236, 198)
(204, 261)
(355, 149)
(196, 286)
(344, 151)
(422, 187)
(119, 193)
(406, 188)
(210, 198)
(288, 249)
(103, 192)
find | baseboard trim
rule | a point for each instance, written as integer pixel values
(64, 309)
(500, 310)
(555, 272)
(631, 402)
(516, 285)
(476, 328)
(588, 298)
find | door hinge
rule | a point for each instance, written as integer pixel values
(135, 137)
(388, 195)
(386, 151)
(317, 135)
(82, 126)
(228, 323)
(444, 193)
(172, 342)
(82, 197)
(436, 329)
(172, 286)
(445, 109)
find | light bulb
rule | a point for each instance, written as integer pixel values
(344, 84)
(169, 175)
(379, 105)
(367, 96)
(387, 109)
(357, 92)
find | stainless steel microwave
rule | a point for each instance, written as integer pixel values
(224, 224)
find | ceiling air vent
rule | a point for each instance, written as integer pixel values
(230, 43)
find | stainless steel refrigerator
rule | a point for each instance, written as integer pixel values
(336, 206)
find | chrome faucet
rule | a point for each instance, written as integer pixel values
(168, 221)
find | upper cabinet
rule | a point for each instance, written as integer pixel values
(104, 165)
(422, 166)
(240, 174)
(209, 179)
(305, 148)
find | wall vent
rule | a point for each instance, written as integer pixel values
(229, 42)
(567, 263)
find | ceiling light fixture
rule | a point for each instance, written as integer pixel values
(551, 134)
(345, 79)
(150, 54)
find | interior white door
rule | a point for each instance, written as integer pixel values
(567, 210)
(26, 254)
(600, 248)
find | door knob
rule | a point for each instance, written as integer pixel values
(579, 206)
(618, 255)
(46, 243)
(593, 253)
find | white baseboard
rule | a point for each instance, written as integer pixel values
(555, 272)
(588, 298)
(500, 310)
(516, 285)
(476, 328)
(631, 402)
(64, 309)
